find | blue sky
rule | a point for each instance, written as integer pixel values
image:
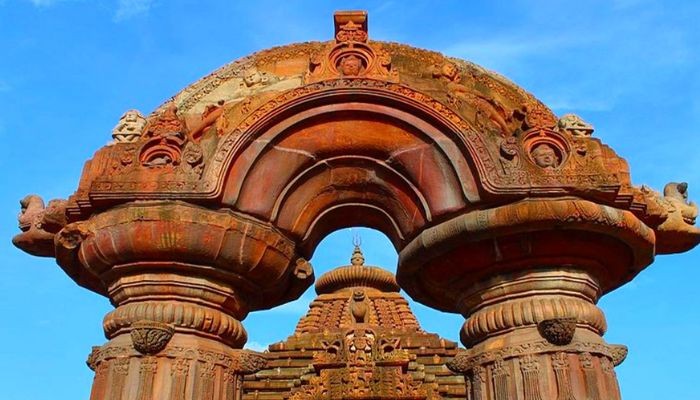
(70, 68)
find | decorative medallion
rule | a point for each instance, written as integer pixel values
(150, 337)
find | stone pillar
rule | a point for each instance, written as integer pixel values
(181, 278)
(527, 277)
(537, 335)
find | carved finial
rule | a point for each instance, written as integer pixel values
(576, 126)
(129, 128)
(350, 26)
(357, 257)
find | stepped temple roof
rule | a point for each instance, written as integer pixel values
(359, 340)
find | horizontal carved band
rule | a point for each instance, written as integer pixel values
(240, 361)
(466, 360)
(185, 317)
(509, 315)
(560, 281)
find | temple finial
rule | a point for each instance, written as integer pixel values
(357, 257)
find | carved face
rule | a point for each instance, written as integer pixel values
(251, 77)
(449, 71)
(131, 116)
(545, 156)
(358, 295)
(351, 65)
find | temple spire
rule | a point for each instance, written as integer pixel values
(357, 257)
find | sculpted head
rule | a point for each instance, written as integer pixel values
(351, 65)
(545, 156)
(252, 76)
(449, 71)
(678, 191)
(131, 116)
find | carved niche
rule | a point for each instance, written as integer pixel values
(360, 363)
(352, 55)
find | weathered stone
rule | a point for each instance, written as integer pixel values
(209, 208)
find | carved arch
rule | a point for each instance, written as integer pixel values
(416, 160)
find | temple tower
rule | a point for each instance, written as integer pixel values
(359, 340)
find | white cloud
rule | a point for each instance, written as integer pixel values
(255, 346)
(132, 8)
(47, 3)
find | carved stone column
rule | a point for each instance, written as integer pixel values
(182, 278)
(527, 277)
(537, 335)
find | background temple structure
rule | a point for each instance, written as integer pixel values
(359, 339)
(208, 209)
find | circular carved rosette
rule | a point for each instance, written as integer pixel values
(150, 337)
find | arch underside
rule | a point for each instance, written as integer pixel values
(348, 164)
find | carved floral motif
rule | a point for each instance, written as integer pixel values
(559, 331)
(150, 337)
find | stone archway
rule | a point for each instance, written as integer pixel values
(208, 209)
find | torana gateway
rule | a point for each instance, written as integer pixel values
(209, 208)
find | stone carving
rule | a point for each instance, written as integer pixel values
(576, 126)
(530, 369)
(129, 128)
(559, 331)
(676, 196)
(32, 206)
(167, 136)
(473, 178)
(150, 337)
(351, 56)
(501, 380)
(362, 368)
(253, 77)
(194, 159)
(350, 65)
(672, 215)
(589, 372)
(530, 311)
(618, 354)
(545, 156)
(538, 117)
(165, 123)
(303, 269)
(39, 225)
(359, 308)
(560, 362)
(491, 108)
(147, 371)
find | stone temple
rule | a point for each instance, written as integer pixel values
(209, 207)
